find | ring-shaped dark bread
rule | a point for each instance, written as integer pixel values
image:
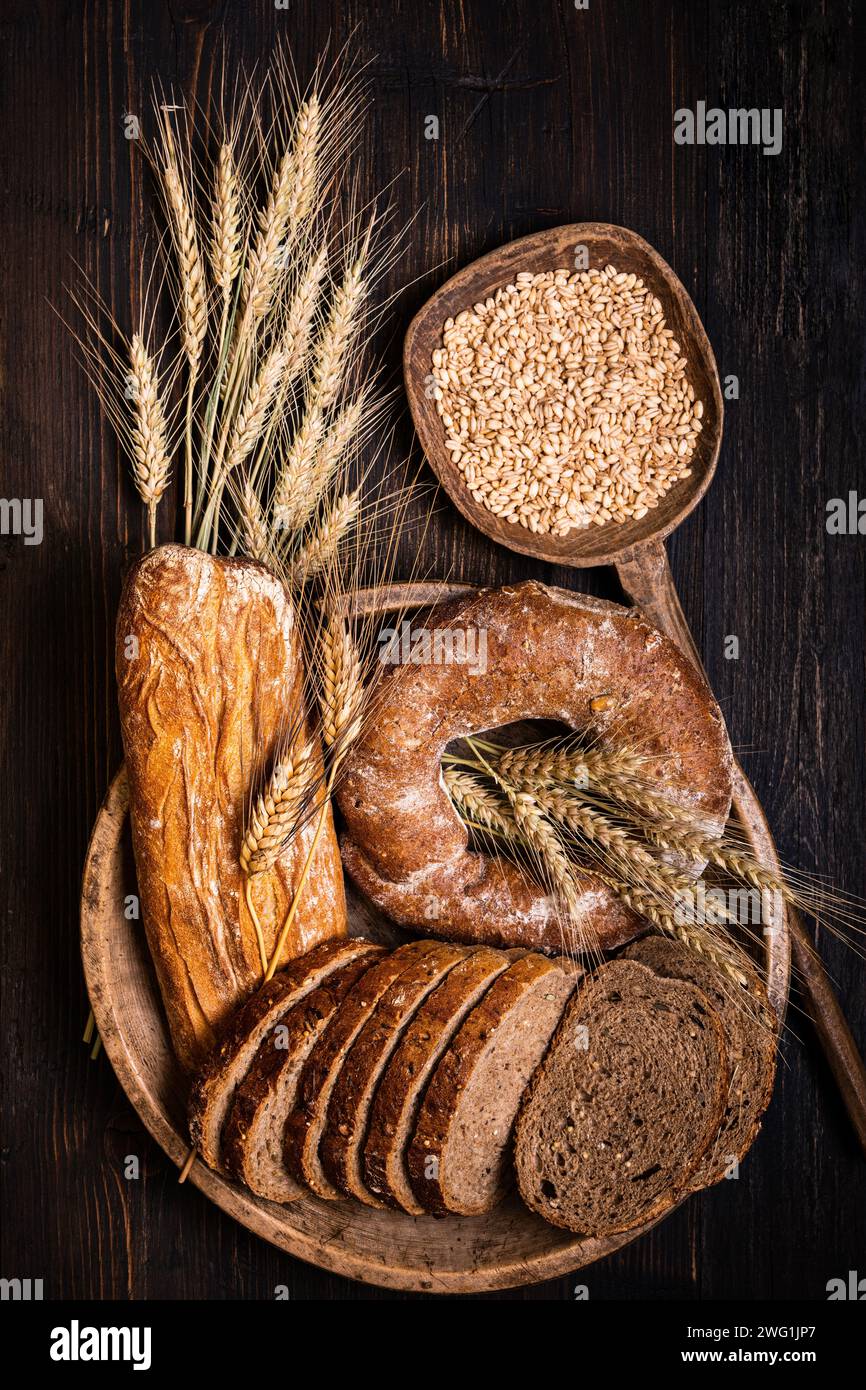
(550, 655)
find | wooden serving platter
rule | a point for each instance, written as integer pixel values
(508, 1248)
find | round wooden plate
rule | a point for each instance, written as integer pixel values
(506, 1249)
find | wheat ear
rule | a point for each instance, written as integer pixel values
(479, 803)
(543, 840)
(149, 433)
(701, 942)
(698, 846)
(273, 820)
(312, 461)
(254, 410)
(289, 202)
(193, 299)
(225, 244)
(342, 701)
(277, 810)
(320, 551)
(253, 525)
(548, 764)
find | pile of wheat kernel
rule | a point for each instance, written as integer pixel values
(565, 400)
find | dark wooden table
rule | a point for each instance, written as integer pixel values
(547, 113)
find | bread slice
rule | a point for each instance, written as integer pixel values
(625, 1105)
(458, 1158)
(253, 1134)
(214, 1088)
(307, 1121)
(345, 1128)
(401, 1089)
(750, 1029)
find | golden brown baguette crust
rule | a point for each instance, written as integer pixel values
(209, 677)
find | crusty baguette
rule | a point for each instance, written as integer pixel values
(209, 676)
(215, 1085)
(625, 1105)
(459, 1158)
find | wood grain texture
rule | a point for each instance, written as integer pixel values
(547, 115)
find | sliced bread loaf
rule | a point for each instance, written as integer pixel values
(625, 1105)
(401, 1089)
(307, 1121)
(214, 1088)
(345, 1127)
(458, 1158)
(750, 1030)
(253, 1132)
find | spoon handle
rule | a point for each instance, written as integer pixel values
(645, 575)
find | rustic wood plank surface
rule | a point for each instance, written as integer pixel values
(548, 114)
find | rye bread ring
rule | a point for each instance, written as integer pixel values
(595, 666)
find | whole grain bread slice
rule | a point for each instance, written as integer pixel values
(398, 1097)
(306, 1123)
(254, 1130)
(459, 1155)
(750, 1028)
(214, 1088)
(345, 1128)
(625, 1105)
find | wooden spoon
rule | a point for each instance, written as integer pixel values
(636, 548)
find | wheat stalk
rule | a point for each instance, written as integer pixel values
(254, 410)
(548, 764)
(313, 459)
(149, 432)
(277, 810)
(253, 525)
(477, 801)
(225, 244)
(289, 202)
(320, 551)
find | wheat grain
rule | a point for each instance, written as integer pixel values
(564, 400)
